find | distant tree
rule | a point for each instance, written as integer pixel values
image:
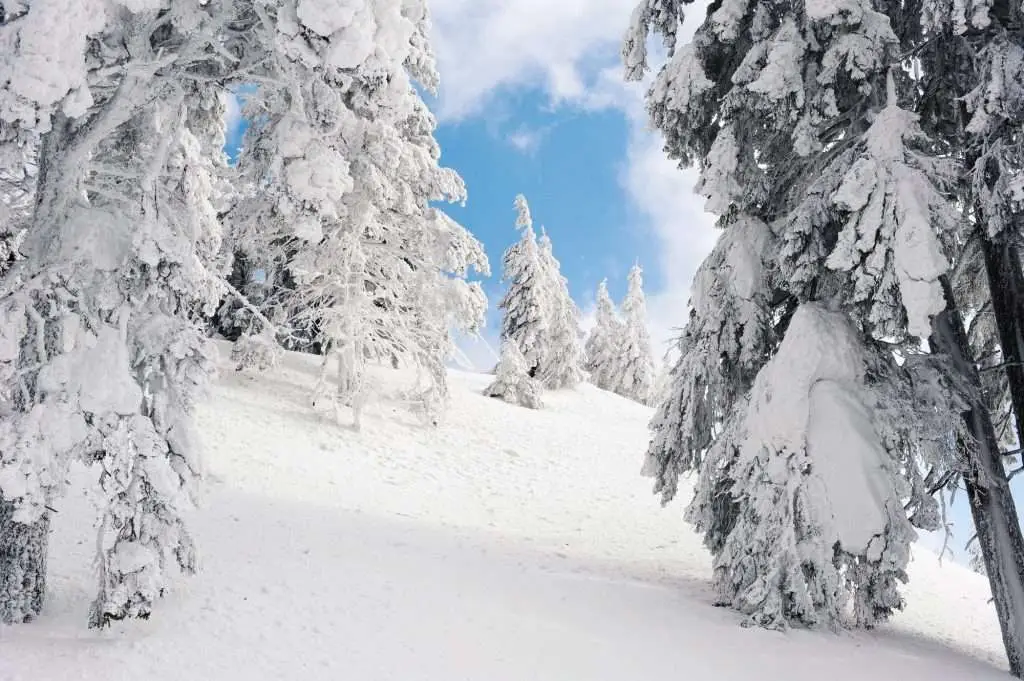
(561, 360)
(603, 352)
(526, 318)
(512, 383)
(636, 373)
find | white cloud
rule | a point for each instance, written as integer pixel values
(485, 45)
(570, 50)
(676, 218)
(663, 194)
(526, 140)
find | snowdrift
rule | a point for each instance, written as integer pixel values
(506, 543)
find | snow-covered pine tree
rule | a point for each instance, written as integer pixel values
(732, 332)
(343, 167)
(525, 304)
(772, 100)
(636, 374)
(103, 350)
(512, 383)
(561, 359)
(817, 492)
(602, 348)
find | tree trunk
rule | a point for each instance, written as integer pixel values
(22, 566)
(988, 491)
(1006, 287)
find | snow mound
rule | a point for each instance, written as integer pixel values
(505, 543)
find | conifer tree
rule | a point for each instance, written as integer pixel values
(561, 360)
(343, 168)
(636, 375)
(602, 349)
(776, 103)
(526, 311)
(511, 382)
(104, 353)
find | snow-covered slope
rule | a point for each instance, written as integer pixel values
(506, 543)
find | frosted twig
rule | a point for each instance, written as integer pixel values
(40, 332)
(254, 310)
(945, 527)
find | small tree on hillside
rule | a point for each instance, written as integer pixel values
(525, 322)
(561, 364)
(637, 375)
(512, 383)
(602, 349)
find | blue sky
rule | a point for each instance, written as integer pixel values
(532, 101)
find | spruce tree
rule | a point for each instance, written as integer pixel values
(840, 202)
(511, 382)
(526, 317)
(561, 360)
(636, 374)
(603, 352)
(343, 168)
(104, 351)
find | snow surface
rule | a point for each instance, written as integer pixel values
(505, 544)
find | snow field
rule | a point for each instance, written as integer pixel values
(507, 543)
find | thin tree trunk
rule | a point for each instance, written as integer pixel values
(988, 491)
(22, 566)
(1006, 287)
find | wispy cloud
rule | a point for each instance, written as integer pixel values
(526, 140)
(485, 46)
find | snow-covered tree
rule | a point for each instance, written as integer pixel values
(512, 382)
(525, 304)
(561, 358)
(636, 374)
(731, 334)
(343, 167)
(602, 348)
(103, 350)
(826, 182)
(967, 56)
(816, 452)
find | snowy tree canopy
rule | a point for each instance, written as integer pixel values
(105, 353)
(830, 194)
(113, 186)
(561, 356)
(727, 340)
(822, 454)
(526, 319)
(637, 376)
(343, 167)
(512, 383)
(602, 347)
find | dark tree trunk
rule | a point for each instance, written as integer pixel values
(1006, 287)
(22, 566)
(988, 491)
